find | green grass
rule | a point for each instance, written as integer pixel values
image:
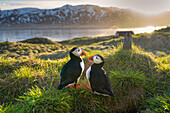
(42, 100)
(157, 104)
(20, 50)
(139, 77)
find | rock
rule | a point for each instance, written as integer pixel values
(39, 40)
(127, 42)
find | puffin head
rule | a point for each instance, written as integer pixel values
(77, 52)
(97, 59)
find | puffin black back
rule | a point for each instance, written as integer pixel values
(72, 70)
(96, 75)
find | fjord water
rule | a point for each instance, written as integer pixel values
(65, 34)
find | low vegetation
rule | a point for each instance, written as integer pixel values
(140, 77)
(39, 40)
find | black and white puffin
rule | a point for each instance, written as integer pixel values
(98, 79)
(73, 69)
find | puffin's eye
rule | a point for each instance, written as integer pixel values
(96, 57)
(78, 50)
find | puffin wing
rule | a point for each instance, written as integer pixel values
(70, 73)
(100, 83)
(108, 87)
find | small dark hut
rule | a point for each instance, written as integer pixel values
(123, 33)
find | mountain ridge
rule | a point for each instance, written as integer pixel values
(80, 15)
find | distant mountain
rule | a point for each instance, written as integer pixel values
(88, 15)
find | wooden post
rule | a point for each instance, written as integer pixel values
(127, 43)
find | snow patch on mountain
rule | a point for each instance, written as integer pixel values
(68, 14)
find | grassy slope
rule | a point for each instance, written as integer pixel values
(140, 78)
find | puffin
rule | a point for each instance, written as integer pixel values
(99, 81)
(72, 70)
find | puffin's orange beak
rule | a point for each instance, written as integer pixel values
(83, 53)
(91, 58)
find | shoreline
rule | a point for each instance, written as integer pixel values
(39, 27)
(102, 33)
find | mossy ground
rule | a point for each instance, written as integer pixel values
(139, 77)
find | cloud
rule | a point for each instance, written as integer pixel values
(44, 4)
(14, 0)
(4, 4)
(147, 6)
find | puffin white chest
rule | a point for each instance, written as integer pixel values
(82, 65)
(88, 74)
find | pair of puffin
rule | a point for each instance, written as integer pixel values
(98, 80)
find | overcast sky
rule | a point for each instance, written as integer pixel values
(146, 6)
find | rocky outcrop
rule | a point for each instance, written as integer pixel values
(39, 40)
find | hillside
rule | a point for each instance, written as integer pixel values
(78, 16)
(140, 77)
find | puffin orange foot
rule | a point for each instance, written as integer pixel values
(78, 86)
(87, 86)
(71, 86)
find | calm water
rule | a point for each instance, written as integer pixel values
(65, 34)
